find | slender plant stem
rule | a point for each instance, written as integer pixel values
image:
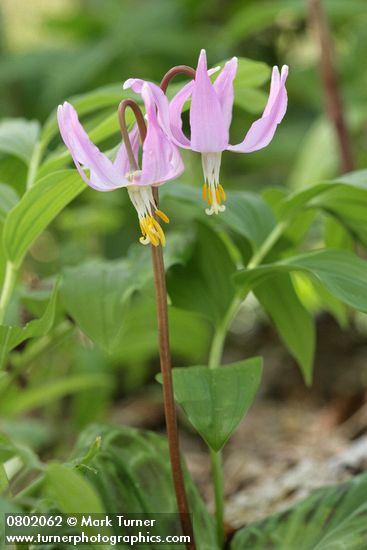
(169, 404)
(7, 290)
(34, 164)
(164, 347)
(329, 76)
(267, 245)
(215, 357)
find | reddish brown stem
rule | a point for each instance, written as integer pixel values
(180, 69)
(124, 131)
(163, 333)
(329, 77)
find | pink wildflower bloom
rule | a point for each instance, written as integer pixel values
(161, 162)
(210, 120)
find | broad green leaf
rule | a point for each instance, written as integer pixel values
(18, 138)
(7, 506)
(341, 272)
(250, 74)
(216, 400)
(345, 199)
(70, 490)
(250, 100)
(204, 284)
(132, 474)
(248, 215)
(137, 345)
(14, 403)
(8, 199)
(317, 298)
(37, 208)
(317, 157)
(331, 518)
(9, 448)
(13, 172)
(96, 295)
(12, 336)
(337, 236)
(292, 320)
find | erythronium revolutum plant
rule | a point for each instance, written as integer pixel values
(254, 246)
(210, 118)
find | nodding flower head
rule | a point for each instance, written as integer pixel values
(210, 120)
(160, 162)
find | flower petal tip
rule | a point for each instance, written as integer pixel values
(284, 73)
(128, 83)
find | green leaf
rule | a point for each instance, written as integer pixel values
(250, 74)
(345, 199)
(332, 517)
(37, 208)
(12, 336)
(132, 474)
(14, 403)
(317, 156)
(341, 272)
(292, 320)
(96, 295)
(18, 138)
(137, 345)
(248, 215)
(216, 400)
(72, 493)
(8, 199)
(204, 284)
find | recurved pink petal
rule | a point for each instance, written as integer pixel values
(209, 133)
(223, 86)
(159, 98)
(262, 130)
(175, 113)
(103, 174)
(161, 160)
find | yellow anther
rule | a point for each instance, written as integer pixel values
(204, 192)
(162, 215)
(159, 231)
(152, 231)
(210, 198)
(218, 197)
(222, 192)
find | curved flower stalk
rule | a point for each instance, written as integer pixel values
(161, 162)
(210, 120)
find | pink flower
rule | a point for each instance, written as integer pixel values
(210, 120)
(161, 162)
